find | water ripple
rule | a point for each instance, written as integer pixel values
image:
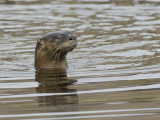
(113, 72)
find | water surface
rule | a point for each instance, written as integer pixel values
(113, 73)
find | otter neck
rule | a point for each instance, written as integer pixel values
(51, 62)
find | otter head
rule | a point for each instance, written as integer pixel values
(52, 48)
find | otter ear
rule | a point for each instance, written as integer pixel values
(40, 41)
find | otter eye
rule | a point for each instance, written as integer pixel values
(59, 37)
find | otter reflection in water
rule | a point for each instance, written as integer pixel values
(56, 81)
(51, 64)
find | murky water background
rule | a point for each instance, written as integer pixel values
(113, 73)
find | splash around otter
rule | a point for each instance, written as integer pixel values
(52, 48)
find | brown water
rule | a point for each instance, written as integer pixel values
(114, 73)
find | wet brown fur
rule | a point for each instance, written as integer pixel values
(52, 48)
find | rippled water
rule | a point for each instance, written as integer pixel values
(113, 73)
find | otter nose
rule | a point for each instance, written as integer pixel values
(72, 37)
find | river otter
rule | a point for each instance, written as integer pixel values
(52, 48)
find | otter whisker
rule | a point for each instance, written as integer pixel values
(44, 53)
(55, 58)
(52, 48)
(46, 49)
(53, 53)
(58, 59)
